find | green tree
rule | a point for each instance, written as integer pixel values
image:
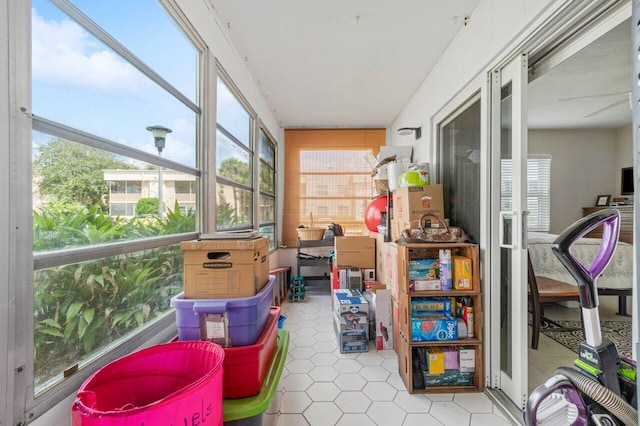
(69, 171)
(231, 214)
(147, 206)
(235, 170)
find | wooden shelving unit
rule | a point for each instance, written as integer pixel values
(405, 346)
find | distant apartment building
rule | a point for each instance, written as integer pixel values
(127, 187)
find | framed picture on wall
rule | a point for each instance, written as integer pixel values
(602, 200)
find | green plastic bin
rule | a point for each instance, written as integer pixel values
(248, 411)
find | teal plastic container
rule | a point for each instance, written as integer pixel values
(248, 411)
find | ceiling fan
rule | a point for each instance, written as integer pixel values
(626, 98)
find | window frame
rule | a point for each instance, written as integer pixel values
(262, 129)
(26, 404)
(251, 150)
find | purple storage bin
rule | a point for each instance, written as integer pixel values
(245, 316)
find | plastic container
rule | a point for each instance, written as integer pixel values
(281, 321)
(446, 280)
(245, 367)
(248, 411)
(394, 170)
(166, 384)
(242, 319)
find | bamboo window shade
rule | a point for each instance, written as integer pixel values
(326, 174)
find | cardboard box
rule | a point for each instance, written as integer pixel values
(435, 327)
(383, 313)
(380, 247)
(450, 358)
(356, 252)
(352, 332)
(425, 285)
(435, 360)
(225, 269)
(462, 273)
(347, 301)
(467, 359)
(431, 305)
(396, 329)
(448, 378)
(411, 202)
(391, 269)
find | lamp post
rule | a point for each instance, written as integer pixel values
(159, 137)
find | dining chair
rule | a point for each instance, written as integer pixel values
(545, 290)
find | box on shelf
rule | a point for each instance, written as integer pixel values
(411, 202)
(245, 367)
(382, 307)
(356, 252)
(348, 301)
(425, 285)
(433, 327)
(462, 273)
(352, 332)
(448, 378)
(431, 305)
(467, 359)
(227, 322)
(435, 360)
(450, 358)
(225, 268)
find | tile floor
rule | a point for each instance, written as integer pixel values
(320, 386)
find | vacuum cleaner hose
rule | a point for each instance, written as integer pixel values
(608, 399)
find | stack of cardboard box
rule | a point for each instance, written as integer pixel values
(410, 203)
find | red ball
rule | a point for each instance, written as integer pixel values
(373, 212)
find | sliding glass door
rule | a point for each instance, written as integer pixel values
(508, 227)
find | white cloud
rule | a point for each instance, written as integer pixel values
(66, 55)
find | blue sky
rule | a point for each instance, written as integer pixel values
(79, 82)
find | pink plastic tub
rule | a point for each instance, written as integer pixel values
(175, 383)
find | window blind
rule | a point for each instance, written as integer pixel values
(538, 191)
(327, 176)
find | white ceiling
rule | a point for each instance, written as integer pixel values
(356, 63)
(341, 63)
(588, 90)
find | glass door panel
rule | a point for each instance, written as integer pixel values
(508, 267)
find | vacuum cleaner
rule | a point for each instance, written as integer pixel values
(601, 387)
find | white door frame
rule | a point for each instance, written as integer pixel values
(514, 382)
(477, 88)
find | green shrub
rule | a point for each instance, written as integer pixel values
(84, 306)
(146, 206)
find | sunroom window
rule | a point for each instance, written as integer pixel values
(110, 205)
(267, 211)
(234, 160)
